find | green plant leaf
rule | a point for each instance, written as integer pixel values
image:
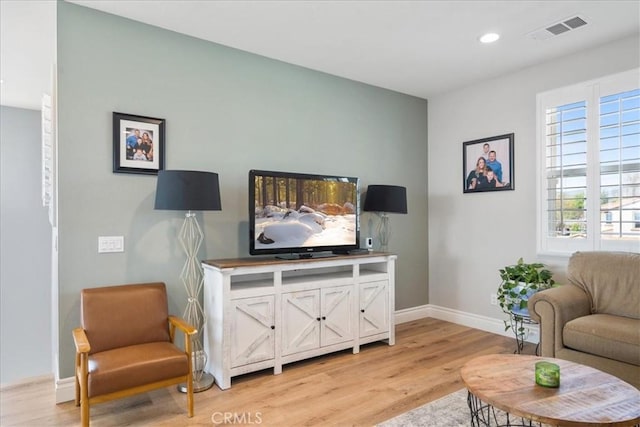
(520, 279)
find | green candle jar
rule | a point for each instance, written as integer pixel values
(547, 374)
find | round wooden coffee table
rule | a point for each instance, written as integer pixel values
(586, 396)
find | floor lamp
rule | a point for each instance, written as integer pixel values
(191, 191)
(385, 199)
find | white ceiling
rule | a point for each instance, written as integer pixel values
(420, 48)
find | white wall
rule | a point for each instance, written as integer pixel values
(25, 251)
(472, 235)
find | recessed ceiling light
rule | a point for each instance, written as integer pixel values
(489, 38)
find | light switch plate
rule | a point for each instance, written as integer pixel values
(109, 244)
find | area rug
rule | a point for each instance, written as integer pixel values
(450, 410)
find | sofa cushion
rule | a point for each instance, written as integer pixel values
(127, 367)
(610, 279)
(613, 337)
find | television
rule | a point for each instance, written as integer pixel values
(299, 215)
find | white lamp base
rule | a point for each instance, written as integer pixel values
(205, 383)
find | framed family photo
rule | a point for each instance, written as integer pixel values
(138, 144)
(487, 164)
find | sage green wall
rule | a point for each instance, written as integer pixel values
(227, 111)
(25, 250)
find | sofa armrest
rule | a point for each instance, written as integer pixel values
(552, 309)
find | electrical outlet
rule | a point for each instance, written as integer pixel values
(494, 299)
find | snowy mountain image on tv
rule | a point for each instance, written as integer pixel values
(292, 212)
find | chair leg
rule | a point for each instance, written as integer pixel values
(188, 353)
(84, 413)
(77, 391)
(82, 381)
(76, 378)
(190, 395)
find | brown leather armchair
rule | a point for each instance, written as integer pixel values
(125, 345)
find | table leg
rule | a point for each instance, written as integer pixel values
(485, 415)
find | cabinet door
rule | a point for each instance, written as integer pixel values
(252, 330)
(374, 308)
(300, 321)
(336, 312)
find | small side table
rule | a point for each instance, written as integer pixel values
(518, 319)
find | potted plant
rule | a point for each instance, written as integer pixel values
(519, 282)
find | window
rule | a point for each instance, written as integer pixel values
(608, 217)
(589, 165)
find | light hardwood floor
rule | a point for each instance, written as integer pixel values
(340, 389)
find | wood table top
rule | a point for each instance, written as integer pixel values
(272, 260)
(586, 396)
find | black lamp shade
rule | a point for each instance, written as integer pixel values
(188, 191)
(386, 198)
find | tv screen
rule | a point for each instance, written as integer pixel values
(294, 213)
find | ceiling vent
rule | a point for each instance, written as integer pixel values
(558, 28)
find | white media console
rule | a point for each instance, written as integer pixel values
(265, 312)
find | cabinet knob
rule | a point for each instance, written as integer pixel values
(324, 318)
(273, 327)
(362, 310)
(318, 319)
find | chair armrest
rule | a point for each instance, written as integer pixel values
(81, 341)
(552, 309)
(188, 330)
(81, 369)
(185, 327)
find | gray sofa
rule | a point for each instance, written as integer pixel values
(595, 318)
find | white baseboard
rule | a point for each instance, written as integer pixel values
(65, 390)
(411, 314)
(484, 323)
(65, 387)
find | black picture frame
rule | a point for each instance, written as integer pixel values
(476, 179)
(147, 155)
